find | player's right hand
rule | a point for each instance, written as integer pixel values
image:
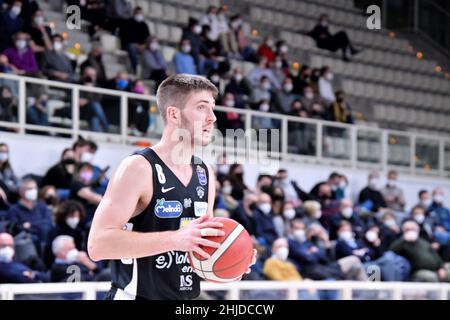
(190, 238)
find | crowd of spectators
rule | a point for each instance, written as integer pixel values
(207, 47)
(320, 234)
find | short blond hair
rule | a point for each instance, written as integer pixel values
(311, 206)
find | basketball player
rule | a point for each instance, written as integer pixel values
(158, 204)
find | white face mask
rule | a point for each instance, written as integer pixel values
(309, 95)
(186, 48)
(374, 183)
(265, 207)
(229, 103)
(390, 223)
(391, 183)
(266, 85)
(278, 64)
(317, 214)
(238, 77)
(31, 194)
(425, 203)
(73, 222)
(39, 20)
(72, 256)
(288, 87)
(299, 235)
(270, 43)
(227, 189)
(154, 46)
(21, 44)
(264, 107)
(215, 78)
(346, 235)
(282, 253)
(6, 254)
(420, 218)
(411, 236)
(284, 49)
(197, 29)
(57, 46)
(16, 10)
(289, 214)
(4, 156)
(139, 17)
(347, 212)
(342, 184)
(224, 169)
(438, 198)
(87, 157)
(329, 76)
(371, 236)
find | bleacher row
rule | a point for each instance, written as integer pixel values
(385, 73)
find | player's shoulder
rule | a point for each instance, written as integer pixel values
(135, 165)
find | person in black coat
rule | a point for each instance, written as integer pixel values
(333, 42)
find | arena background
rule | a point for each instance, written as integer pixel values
(395, 81)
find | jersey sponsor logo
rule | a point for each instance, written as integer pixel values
(200, 192)
(185, 221)
(164, 190)
(166, 260)
(200, 208)
(168, 209)
(187, 202)
(201, 174)
(186, 283)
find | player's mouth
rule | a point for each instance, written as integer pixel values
(207, 130)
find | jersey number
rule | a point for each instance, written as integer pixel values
(161, 176)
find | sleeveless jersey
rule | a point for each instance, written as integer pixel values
(173, 205)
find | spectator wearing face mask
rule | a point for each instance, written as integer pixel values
(332, 42)
(370, 197)
(66, 254)
(278, 71)
(426, 264)
(40, 34)
(340, 110)
(263, 216)
(60, 174)
(12, 271)
(441, 216)
(21, 55)
(302, 79)
(133, 35)
(240, 87)
(262, 69)
(227, 38)
(117, 13)
(284, 98)
(425, 199)
(55, 64)
(139, 117)
(389, 230)
(289, 213)
(37, 113)
(236, 177)
(392, 193)
(326, 85)
(292, 192)
(262, 91)
(95, 60)
(82, 190)
(244, 212)
(224, 198)
(210, 19)
(183, 60)
(69, 219)
(9, 183)
(347, 245)
(346, 213)
(418, 214)
(309, 98)
(231, 119)
(49, 196)
(333, 181)
(30, 214)
(10, 23)
(244, 44)
(192, 33)
(153, 63)
(281, 52)
(267, 49)
(264, 122)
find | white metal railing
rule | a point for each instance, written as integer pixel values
(355, 146)
(396, 290)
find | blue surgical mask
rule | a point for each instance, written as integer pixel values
(122, 84)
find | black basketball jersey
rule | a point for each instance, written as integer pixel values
(173, 205)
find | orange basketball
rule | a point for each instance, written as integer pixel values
(231, 260)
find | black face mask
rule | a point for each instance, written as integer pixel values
(253, 206)
(314, 239)
(50, 200)
(5, 101)
(340, 99)
(278, 197)
(68, 161)
(266, 189)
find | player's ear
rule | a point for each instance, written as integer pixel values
(173, 115)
